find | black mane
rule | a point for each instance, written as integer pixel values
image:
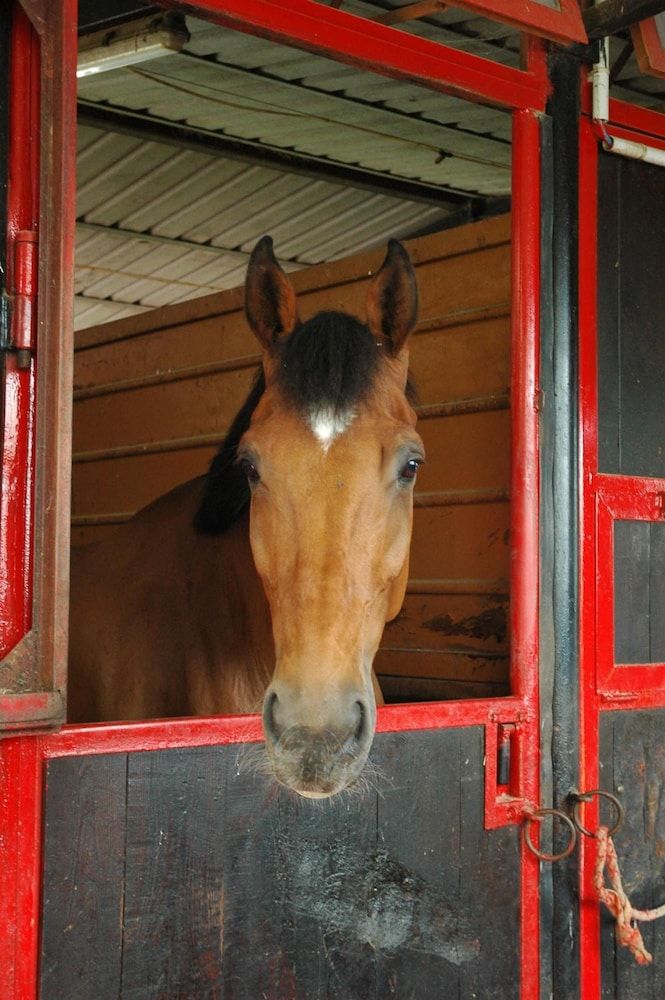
(328, 363)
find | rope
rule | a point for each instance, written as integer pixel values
(615, 899)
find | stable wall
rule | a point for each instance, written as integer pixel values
(155, 393)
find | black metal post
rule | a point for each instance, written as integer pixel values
(559, 512)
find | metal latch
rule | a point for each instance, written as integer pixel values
(19, 307)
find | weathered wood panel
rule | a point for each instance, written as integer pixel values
(632, 754)
(631, 304)
(155, 393)
(639, 592)
(83, 893)
(237, 889)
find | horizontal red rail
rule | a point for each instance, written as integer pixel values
(163, 734)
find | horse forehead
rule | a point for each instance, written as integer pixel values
(327, 424)
(376, 421)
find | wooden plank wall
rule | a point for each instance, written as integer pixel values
(155, 393)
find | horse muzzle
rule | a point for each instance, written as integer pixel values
(325, 754)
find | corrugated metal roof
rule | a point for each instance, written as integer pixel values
(144, 207)
(162, 221)
(172, 199)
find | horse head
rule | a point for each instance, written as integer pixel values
(331, 455)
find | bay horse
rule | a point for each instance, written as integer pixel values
(271, 579)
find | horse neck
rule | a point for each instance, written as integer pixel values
(235, 660)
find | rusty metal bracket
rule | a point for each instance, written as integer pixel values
(537, 817)
(581, 797)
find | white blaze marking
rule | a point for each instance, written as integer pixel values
(328, 425)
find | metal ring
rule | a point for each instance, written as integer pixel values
(586, 797)
(538, 817)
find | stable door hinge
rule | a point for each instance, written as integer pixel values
(19, 305)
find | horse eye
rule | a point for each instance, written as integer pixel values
(408, 471)
(250, 471)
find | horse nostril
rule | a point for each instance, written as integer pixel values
(362, 722)
(269, 723)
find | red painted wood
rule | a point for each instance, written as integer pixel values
(21, 769)
(524, 591)
(588, 396)
(632, 499)
(637, 119)
(361, 42)
(17, 445)
(160, 734)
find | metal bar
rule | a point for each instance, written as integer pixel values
(635, 150)
(460, 498)
(213, 144)
(462, 317)
(461, 407)
(611, 16)
(560, 415)
(361, 42)
(149, 448)
(102, 520)
(495, 588)
(163, 378)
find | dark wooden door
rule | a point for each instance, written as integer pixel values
(186, 873)
(623, 681)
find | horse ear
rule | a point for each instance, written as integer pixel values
(392, 299)
(270, 301)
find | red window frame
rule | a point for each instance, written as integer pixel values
(621, 498)
(396, 54)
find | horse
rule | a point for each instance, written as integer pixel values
(269, 581)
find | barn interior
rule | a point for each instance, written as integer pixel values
(184, 161)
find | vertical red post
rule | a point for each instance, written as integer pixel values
(16, 507)
(524, 592)
(20, 848)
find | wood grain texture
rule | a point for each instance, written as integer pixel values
(632, 754)
(83, 895)
(235, 889)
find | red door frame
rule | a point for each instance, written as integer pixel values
(17, 432)
(37, 420)
(22, 759)
(604, 687)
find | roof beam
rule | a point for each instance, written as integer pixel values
(610, 16)
(154, 129)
